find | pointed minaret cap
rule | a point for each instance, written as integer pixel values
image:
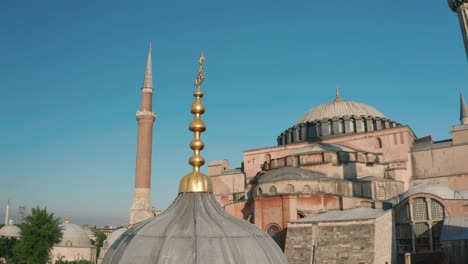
(463, 110)
(148, 81)
(337, 97)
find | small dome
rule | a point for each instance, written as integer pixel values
(439, 190)
(454, 4)
(113, 237)
(339, 108)
(73, 236)
(194, 229)
(10, 231)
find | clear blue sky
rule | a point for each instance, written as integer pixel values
(71, 74)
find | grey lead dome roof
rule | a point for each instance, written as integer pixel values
(194, 229)
(339, 108)
(73, 236)
(10, 231)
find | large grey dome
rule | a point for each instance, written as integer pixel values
(10, 231)
(73, 236)
(439, 190)
(339, 108)
(194, 229)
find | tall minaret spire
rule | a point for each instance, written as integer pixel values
(7, 213)
(463, 110)
(461, 8)
(141, 208)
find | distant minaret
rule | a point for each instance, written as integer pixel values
(21, 211)
(7, 213)
(463, 110)
(141, 208)
(461, 8)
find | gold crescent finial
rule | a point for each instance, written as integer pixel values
(196, 181)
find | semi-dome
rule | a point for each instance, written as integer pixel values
(73, 236)
(10, 231)
(439, 190)
(339, 108)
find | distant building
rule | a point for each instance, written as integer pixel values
(342, 156)
(74, 245)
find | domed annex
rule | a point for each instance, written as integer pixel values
(109, 242)
(10, 231)
(335, 118)
(195, 228)
(74, 245)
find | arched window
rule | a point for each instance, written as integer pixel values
(259, 192)
(420, 226)
(289, 188)
(68, 243)
(307, 189)
(275, 232)
(378, 143)
(272, 190)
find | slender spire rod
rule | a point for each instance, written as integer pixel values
(337, 96)
(196, 181)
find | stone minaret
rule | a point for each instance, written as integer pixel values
(7, 213)
(463, 111)
(461, 8)
(141, 208)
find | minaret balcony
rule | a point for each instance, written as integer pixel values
(145, 113)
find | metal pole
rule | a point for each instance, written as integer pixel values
(408, 258)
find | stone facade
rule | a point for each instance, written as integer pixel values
(340, 242)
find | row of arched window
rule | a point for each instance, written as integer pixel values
(289, 189)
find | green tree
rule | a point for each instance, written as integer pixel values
(40, 232)
(100, 237)
(6, 248)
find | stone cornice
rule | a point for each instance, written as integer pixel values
(455, 4)
(147, 90)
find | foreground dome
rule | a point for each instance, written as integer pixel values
(339, 108)
(195, 229)
(10, 231)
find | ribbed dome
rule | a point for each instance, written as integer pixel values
(194, 229)
(339, 108)
(73, 236)
(10, 231)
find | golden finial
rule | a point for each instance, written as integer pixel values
(196, 181)
(338, 97)
(67, 220)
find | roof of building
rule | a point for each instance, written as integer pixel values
(194, 229)
(454, 228)
(73, 236)
(319, 148)
(10, 231)
(291, 173)
(358, 213)
(439, 190)
(339, 108)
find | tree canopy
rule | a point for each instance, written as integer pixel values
(40, 232)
